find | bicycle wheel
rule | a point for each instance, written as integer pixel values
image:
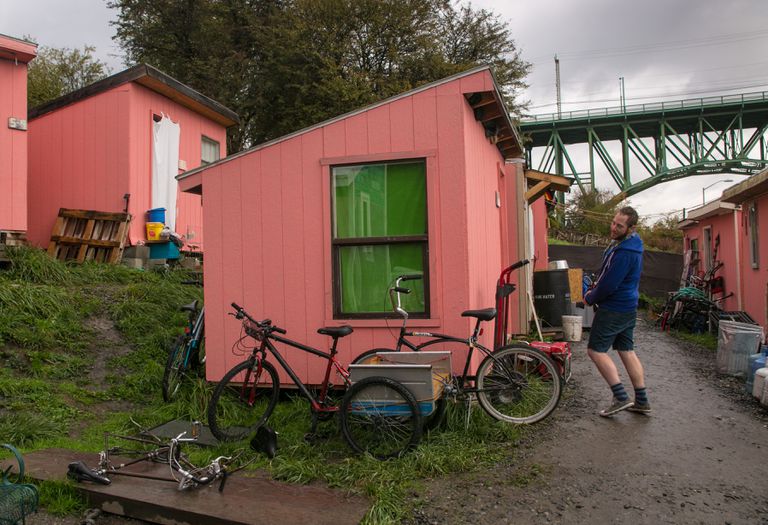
(243, 400)
(518, 384)
(174, 368)
(431, 421)
(379, 416)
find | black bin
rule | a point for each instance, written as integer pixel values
(552, 297)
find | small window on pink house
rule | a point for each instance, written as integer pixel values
(379, 232)
(210, 151)
(753, 243)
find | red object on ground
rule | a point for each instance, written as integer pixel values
(560, 352)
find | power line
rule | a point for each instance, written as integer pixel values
(727, 38)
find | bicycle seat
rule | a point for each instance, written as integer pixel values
(79, 471)
(484, 315)
(336, 331)
(191, 307)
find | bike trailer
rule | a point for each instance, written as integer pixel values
(560, 353)
(425, 374)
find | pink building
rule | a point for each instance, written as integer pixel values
(752, 251)
(102, 147)
(709, 234)
(728, 230)
(312, 227)
(14, 56)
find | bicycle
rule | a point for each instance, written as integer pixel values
(378, 415)
(188, 351)
(515, 383)
(152, 449)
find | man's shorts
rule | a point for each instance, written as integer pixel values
(612, 329)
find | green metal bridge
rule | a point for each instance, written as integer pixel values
(661, 142)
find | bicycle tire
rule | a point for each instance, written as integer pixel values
(174, 368)
(431, 421)
(518, 384)
(380, 417)
(241, 404)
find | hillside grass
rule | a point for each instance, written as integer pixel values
(65, 381)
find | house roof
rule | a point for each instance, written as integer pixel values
(151, 78)
(752, 187)
(488, 107)
(711, 209)
(17, 49)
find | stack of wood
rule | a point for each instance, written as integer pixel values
(84, 235)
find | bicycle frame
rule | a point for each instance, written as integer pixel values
(317, 402)
(196, 331)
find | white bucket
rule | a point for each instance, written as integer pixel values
(759, 385)
(572, 327)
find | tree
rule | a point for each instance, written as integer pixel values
(286, 64)
(56, 72)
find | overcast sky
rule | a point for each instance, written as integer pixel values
(664, 49)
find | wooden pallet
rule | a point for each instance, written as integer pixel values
(83, 235)
(13, 238)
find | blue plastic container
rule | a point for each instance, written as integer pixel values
(163, 250)
(756, 362)
(156, 215)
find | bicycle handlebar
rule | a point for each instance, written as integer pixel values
(266, 324)
(411, 277)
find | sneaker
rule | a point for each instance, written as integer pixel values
(640, 408)
(616, 406)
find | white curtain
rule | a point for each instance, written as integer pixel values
(165, 167)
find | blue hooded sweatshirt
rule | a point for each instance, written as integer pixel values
(616, 287)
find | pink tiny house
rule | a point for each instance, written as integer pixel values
(729, 230)
(15, 54)
(709, 236)
(312, 227)
(93, 149)
(751, 246)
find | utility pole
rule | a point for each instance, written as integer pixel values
(557, 87)
(622, 97)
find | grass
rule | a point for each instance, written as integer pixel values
(50, 345)
(705, 340)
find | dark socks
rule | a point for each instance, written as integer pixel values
(641, 398)
(619, 392)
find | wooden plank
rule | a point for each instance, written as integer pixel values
(249, 497)
(86, 235)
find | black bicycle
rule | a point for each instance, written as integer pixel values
(515, 383)
(378, 415)
(188, 351)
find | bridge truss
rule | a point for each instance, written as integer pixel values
(659, 142)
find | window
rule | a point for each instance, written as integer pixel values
(707, 246)
(210, 151)
(753, 245)
(379, 232)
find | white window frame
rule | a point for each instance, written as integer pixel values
(214, 146)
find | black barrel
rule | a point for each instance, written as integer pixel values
(552, 297)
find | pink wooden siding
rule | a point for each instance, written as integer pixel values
(267, 215)
(89, 154)
(755, 280)
(14, 55)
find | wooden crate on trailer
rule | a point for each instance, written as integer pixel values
(85, 235)
(425, 374)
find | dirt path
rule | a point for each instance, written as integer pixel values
(698, 459)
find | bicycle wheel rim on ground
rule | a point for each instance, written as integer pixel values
(174, 368)
(430, 421)
(381, 417)
(243, 400)
(518, 384)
